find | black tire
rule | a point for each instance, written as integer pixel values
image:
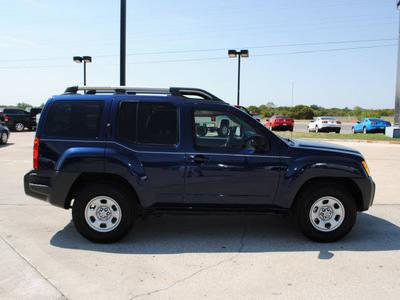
(337, 131)
(4, 138)
(201, 131)
(19, 126)
(224, 129)
(325, 213)
(103, 213)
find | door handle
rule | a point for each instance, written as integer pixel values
(200, 159)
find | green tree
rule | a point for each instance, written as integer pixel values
(23, 105)
(301, 112)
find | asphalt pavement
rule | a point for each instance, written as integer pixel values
(196, 257)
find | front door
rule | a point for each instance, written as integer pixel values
(222, 166)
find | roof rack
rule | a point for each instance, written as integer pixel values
(185, 93)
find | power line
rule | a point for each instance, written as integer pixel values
(212, 50)
(219, 58)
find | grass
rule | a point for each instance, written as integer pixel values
(335, 136)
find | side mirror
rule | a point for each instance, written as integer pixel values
(358, 122)
(258, 142)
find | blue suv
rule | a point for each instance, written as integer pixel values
(115, 153)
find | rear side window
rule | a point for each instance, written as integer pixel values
(74, 119)
(148, 123)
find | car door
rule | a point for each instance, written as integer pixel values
(146, 148)
(358, 127)
(227, 170)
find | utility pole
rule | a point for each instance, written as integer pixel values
(123, 44)
(397, 97)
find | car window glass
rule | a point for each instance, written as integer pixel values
(157, 124)
(221, 129)
(74, 119)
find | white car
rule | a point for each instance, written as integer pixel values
(327, 124)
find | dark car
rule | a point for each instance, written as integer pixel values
(4, 135)
(115, 153)
(280, 123)
(17, 119)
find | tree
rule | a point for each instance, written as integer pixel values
(301, 112)
(23, 105)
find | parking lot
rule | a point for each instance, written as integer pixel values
(196, 257)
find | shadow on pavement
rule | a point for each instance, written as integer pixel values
(173, 234)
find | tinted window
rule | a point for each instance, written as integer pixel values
(74, 119)
(148, 123)
(127, 121)
(221, 129)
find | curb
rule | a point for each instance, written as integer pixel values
(364, 141)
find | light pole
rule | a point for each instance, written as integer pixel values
(241, 53)
(397, 97)
(85, 59)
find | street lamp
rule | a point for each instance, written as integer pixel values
(85, 59)
(239, 54)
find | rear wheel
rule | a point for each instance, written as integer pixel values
(224, 129)
(326, 213)
(19, 126)
(103, 213)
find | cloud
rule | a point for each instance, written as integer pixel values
(11, 42)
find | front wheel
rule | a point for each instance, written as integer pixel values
(353, 130)
(325, 214)
(103, 213)
(365, 131)
(4, 138)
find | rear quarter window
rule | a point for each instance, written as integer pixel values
(74, 118)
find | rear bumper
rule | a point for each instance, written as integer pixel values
(50, 186)
(283, 127)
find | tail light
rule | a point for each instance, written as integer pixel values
(35, 153)
(374, 123)
(338, 122)
(5, 118)
(388, 124)
(324, 122)
(213, 118)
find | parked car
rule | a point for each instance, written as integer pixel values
(254, 115)
(17, 119)
(327, 124)
(280, 123)
(371, 125)
(4, 135)
(113, 154)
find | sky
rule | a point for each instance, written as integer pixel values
(337, 53)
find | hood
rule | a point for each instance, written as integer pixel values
(317, 145)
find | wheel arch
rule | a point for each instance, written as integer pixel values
(86, 179)
(349, 184)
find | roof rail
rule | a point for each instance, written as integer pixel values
(185, 93)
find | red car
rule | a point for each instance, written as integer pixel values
(280, 123)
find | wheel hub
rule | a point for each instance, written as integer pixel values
(326, 213)
(103, 213)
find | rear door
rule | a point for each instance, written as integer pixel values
(144, 146)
